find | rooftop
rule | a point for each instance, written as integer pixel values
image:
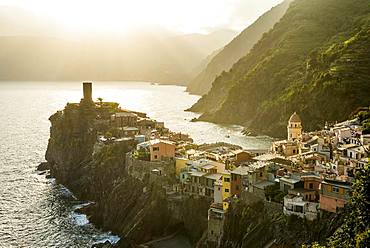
(242, 170)
(208, 166)
(158, 141)
(197, 173)
(295, 118)
(124, 114)
(289, 180)
(337, 183)
(263, 184)
(215, 176)
(267, 157)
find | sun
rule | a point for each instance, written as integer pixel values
(90, 16)
(121, 16)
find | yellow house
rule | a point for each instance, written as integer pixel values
(180, 164)
(226, 188)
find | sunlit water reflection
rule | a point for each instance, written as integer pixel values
(34, 211)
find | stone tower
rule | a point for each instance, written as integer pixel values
(294, 127)
(87, 89)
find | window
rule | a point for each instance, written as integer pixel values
(310, 185)
(260, 174)
(227, 190)
(227, 179)
(155, 149)
(298, 209)
(329, 188)
(155, 156)
(335, 189)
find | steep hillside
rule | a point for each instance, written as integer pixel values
(315, 61)
(236, 49)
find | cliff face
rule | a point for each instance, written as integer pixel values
(258, 225)
(315, 61)
(137, 210)
(71, 143)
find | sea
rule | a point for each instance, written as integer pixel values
(39, 212)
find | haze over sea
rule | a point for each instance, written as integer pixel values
(37, 212)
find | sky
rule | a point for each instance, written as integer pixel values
(184, 16)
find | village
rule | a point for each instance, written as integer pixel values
(306, 174)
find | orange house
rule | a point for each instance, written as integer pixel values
(239, 180)
(334, 195)
(161, 150)
(312, 184)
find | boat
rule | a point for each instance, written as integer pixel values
(228, 134)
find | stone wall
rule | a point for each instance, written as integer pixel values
(140, 168)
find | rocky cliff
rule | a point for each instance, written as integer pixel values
(264, 225)
(137, 210)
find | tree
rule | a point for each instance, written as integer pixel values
(108, 135)
(100, 101)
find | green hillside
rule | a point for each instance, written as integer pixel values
(315, 61)
(236, 49)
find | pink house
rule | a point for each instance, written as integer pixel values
(334, 195)
(161, 150)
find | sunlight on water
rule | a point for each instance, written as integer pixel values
(165, 103)
(34, 211)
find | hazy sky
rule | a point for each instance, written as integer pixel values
(186, 16)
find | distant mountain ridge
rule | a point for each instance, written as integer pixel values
(33, 49)
(236, 49)
(315, 61)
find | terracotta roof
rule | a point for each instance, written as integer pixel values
(242, 170)
(295, 118)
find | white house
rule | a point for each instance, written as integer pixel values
(295, 205)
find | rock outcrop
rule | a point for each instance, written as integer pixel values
(137, 210)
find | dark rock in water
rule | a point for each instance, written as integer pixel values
(49, 176)
(88, 209)
(42, 172)
(43, 166)
(106, 244)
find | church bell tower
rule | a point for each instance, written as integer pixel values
(294, 127)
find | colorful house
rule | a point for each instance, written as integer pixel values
(239, 179)
(296, 205)
(289, 182)
(161, 150)
(311, 184)
(226, 188)
(180, 164)
(334, 195)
